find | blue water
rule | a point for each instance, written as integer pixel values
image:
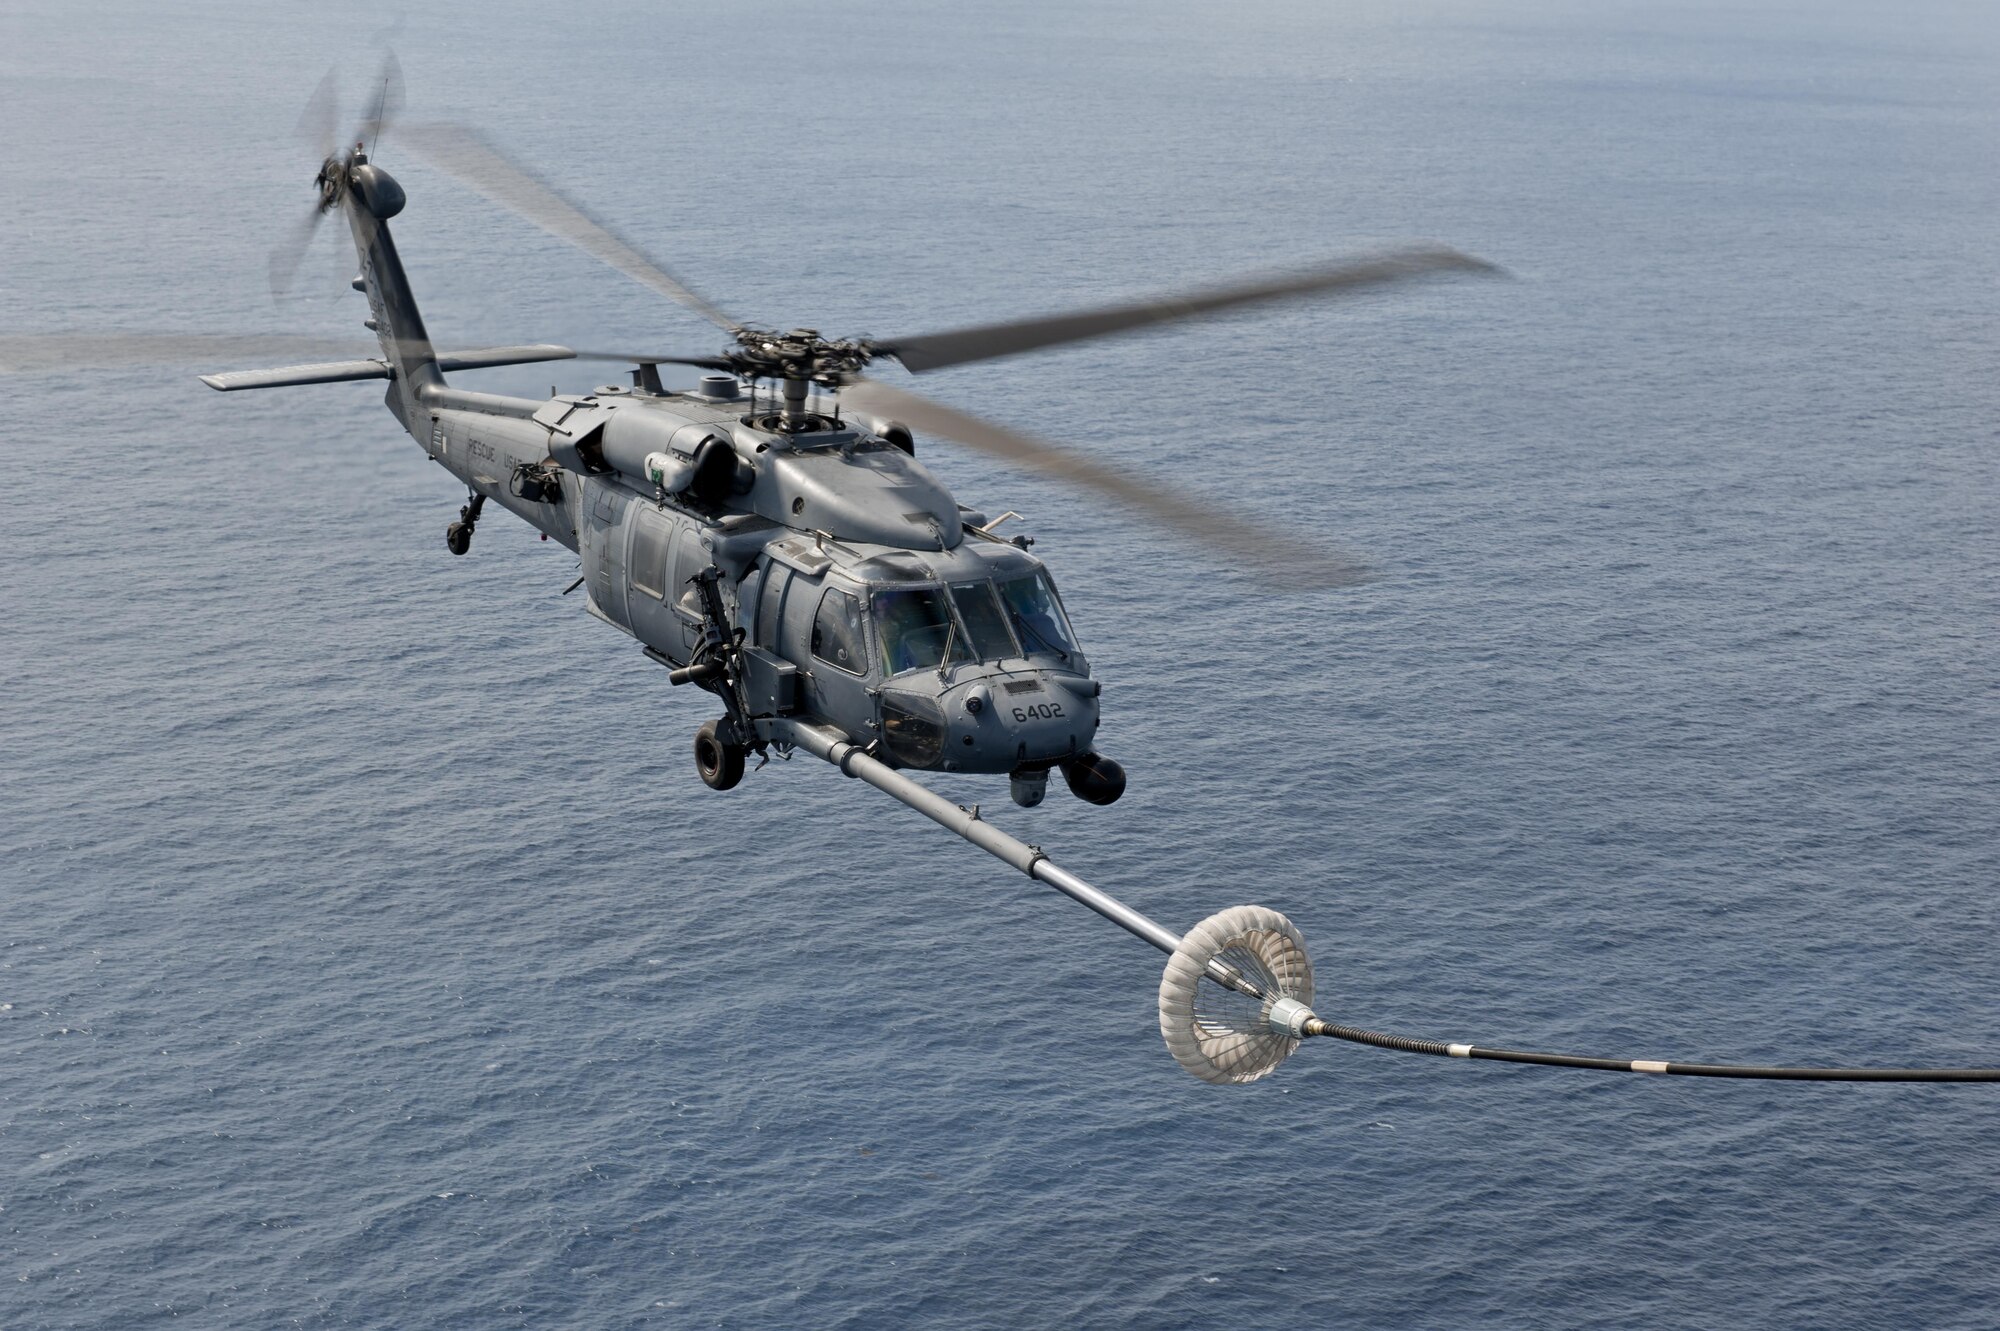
(370, 955)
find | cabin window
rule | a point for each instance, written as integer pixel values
(837, 636)
(917, 628)
(649, 553)
(982, 621)
(1037, 615)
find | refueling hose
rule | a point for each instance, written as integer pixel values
(1408, 1045)
(1212, 954)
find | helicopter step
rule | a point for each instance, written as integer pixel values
(458, 536)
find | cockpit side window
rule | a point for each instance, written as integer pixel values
(916, 628)
(1037, 615)
(837, 637)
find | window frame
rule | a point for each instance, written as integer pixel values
(861, 623)
(955, 635)
(1013, 639)
(1073, 649)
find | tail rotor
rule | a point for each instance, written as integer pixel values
(319, 126)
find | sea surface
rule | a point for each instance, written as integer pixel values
(371, 956)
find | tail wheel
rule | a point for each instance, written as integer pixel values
(458, 538)
(719, 762)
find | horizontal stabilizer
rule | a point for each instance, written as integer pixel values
(332, 372)
(342, 371)
(491, 356)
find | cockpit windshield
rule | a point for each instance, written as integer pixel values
(984, 623)
(916, 628)
(1037, 615)
(921, 628)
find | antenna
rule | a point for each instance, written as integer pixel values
(381, 104)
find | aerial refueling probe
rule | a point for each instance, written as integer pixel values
(1236, 998)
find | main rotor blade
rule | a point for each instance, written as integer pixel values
(320, 121)
(385, 102)
(1293, 562)
(289, 254)
(463, 152)
(35, 353)
(934, 351)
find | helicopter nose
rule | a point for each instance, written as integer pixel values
(1002, 721)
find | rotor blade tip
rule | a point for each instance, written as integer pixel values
(1471, 263)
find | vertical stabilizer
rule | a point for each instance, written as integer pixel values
(372, 198)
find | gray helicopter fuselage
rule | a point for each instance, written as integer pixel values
(808, 571)
(867, 599)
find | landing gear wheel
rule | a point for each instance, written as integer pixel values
(720, 763)
(458, 536)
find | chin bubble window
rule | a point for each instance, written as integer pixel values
(912, 729)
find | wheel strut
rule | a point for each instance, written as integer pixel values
(458, 536)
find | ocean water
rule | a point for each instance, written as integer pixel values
(371, 956)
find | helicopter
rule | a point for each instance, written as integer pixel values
(783, 549)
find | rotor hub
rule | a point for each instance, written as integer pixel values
(332, 175)
(799, 354)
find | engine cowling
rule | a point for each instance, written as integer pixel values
(696, 460)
